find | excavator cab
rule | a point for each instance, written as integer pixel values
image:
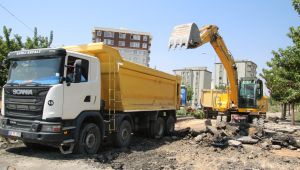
(250, 91)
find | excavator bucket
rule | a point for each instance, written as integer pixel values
(185, 35)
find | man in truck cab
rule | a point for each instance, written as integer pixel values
(70, 70)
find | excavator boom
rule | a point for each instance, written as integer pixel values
(189, 36)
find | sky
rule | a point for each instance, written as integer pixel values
(251, 29)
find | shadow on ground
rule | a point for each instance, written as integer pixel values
(106, 154)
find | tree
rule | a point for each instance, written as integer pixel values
(283, 75)
(220, 87)
(9, 43)
(190, 93)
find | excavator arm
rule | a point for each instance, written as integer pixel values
(189, 36)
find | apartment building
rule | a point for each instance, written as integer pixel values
(197, 78)
(133, 45)
(245, 68)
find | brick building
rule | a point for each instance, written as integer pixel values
(133, 45)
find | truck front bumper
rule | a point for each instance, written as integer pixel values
(31, 133)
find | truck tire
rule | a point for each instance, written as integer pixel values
(157, 128)
(123, 136)
(170, 125)
(89, 139)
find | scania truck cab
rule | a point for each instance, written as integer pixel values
(35, 99)
(53, 97)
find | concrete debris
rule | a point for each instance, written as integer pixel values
(234, 143)
(265, 145)
(269, 136)
(213, 130)
(292, 147)
(200, 137)
(269, 133)
(247, 140)
(220, 142)
(277, 147)
(284, 140)
(207, 122)
(273, 119)
(286, 130)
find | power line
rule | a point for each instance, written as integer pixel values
(13, 15)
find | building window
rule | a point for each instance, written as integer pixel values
(108, 42)
(135, 44)
(122, 35)
(135, 51)
(99, 33)
(142, 52)
(98, 40)
(145, 38)
(135, 37)
(145, 45)
(122, 43)
(109, 34)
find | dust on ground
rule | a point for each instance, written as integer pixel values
(173, 152)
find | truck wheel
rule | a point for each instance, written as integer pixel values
(170, 125)
(89, 139)
(123, 136)
(157, 128)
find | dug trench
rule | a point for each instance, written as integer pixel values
(197, 144)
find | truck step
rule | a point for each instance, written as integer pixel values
(68, 141)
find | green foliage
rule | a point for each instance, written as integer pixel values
(190, 93)
(283, 73)
(296, 4)
(198, 114)
(9, 43)
(220, 87)
(181, 112)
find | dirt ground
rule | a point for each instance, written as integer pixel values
(175, 152)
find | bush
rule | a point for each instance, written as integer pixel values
(181, 112)
(198, 114)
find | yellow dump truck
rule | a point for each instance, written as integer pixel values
(213, 101)
(76, 96)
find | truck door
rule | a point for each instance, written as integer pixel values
(77, 96)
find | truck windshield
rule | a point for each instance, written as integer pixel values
(35, 71)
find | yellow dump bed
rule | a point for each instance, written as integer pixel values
(215, 99)
(127, 86)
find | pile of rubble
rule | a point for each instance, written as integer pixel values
(5, 143)
(269, 135)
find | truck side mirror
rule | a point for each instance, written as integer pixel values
(77, 71)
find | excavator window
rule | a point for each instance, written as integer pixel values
(247, 94)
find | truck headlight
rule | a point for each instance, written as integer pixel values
(51, 128)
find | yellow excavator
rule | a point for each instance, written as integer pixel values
(244, 100)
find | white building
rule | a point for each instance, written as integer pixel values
(197, 78)
(245, 68)
(133, 45)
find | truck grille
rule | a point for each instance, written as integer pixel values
(24, 102)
